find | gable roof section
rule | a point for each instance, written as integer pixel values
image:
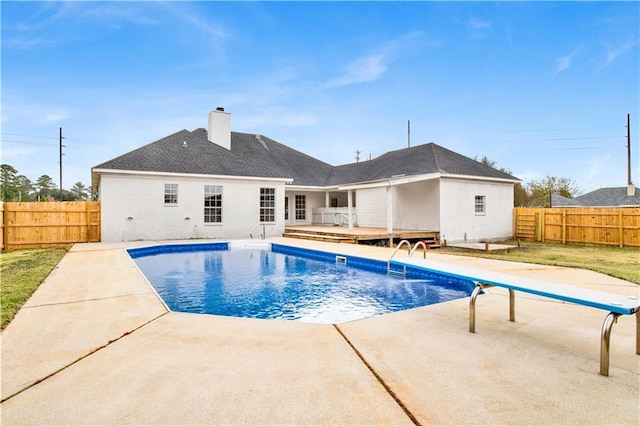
(558, 200)
(421, 159)
(190, 152)
(259, 156)
(302, 168)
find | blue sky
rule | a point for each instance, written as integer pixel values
(538, 87)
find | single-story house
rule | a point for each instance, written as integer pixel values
(218, 183)
(628, 196)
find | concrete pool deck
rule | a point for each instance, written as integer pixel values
(94, 345)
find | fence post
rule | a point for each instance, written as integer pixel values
(620, 228)
(2, 224)
(88, 218)
(564, 226)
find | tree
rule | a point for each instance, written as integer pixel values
(45, 187)
(15, 187)
(521, 197)
(8, 176)
(80, 191)
(491, 163)
(25, 188)
(540, 190)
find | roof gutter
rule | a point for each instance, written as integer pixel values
(402, 180)
(393, 181)
(189, 175)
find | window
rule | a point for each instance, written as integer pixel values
(267, 204)
(334, 202)
(170, 193)
(286, 208)
(212, 204)
(480, 204)
(301, 207)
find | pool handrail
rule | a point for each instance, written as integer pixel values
(262, 234)
(415, 247)
(398, 247)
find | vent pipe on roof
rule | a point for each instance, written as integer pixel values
(219, 129)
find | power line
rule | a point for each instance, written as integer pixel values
(40, 144)
(29, 136)
(578, 148)
(549, 130)
(36, 136)
(582, 138)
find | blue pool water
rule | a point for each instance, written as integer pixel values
(286, 283)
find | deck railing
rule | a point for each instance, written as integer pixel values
(338, 216)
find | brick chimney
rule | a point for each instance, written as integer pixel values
(219, 130)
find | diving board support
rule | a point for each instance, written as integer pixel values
(605, 336)
(610, 319)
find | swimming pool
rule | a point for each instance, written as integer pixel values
(274, 281)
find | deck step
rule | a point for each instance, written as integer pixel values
(319, 237)
(431, 243)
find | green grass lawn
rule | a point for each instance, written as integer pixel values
(623, 263)
(21, 272)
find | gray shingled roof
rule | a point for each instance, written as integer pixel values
(302, 168)
(191, 152)
(609, 197)
(421, 159)
(259, 156)
(558, 200)
(603, 197)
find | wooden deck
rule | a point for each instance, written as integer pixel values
(341, 234)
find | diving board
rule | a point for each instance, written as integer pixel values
(615, 304)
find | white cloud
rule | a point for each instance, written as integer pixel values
(196, 20)
(121, 12)
(371, 67)
(478, 28)
(278, 117)
(27, 42)
(614, 53)
(56, 116)
(564, 62)
(365, 69)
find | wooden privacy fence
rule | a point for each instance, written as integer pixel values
(29, 225)
(615, 226)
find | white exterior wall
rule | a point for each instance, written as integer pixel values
(312, 200)
(417, 206)
(372, 207)
(342, 198)
(458, 218)
(141, 198)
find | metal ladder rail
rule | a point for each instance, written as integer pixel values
(262, 234)
(400, 244)
(424, 249)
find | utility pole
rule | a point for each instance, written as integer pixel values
(61, 154)
(631, 189)
(629, 150)
(408, 133)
